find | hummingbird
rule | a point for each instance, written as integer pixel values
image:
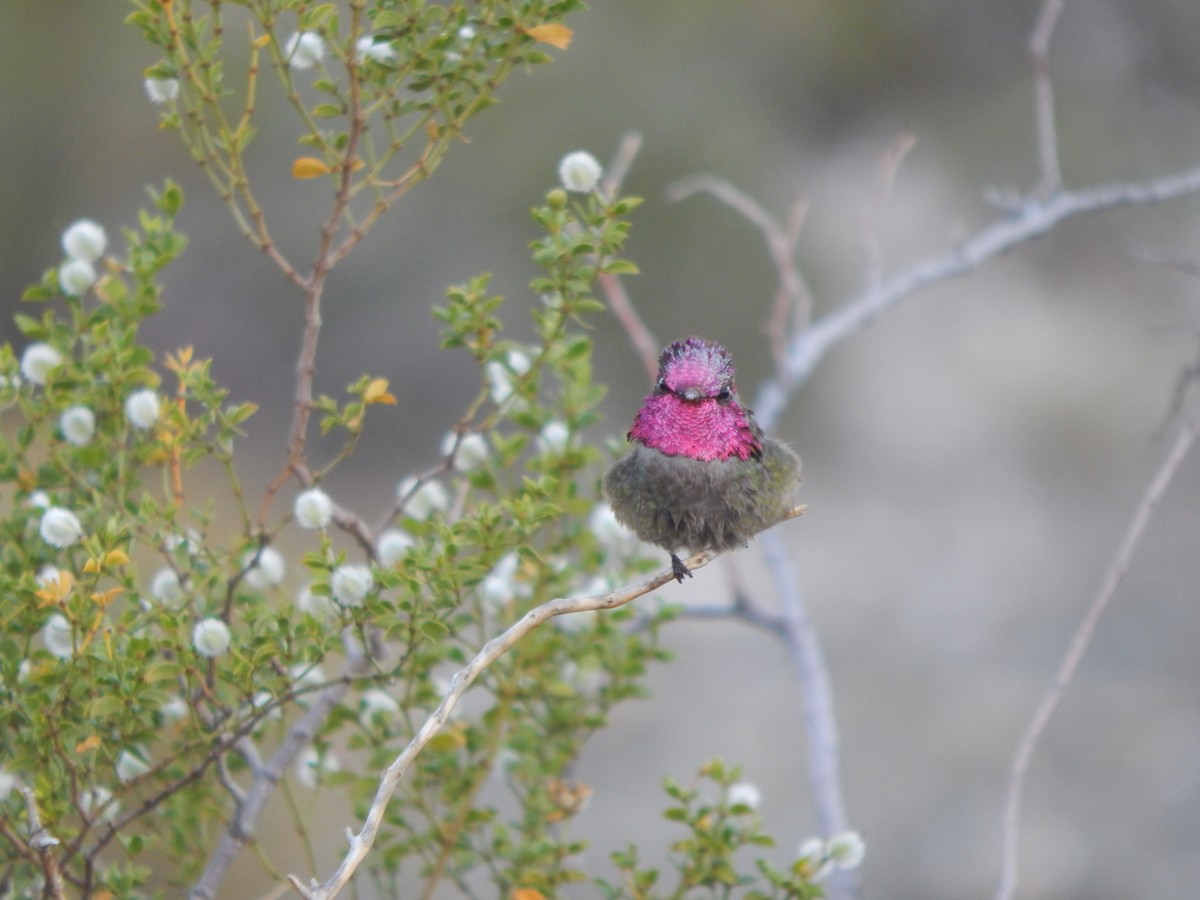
(701, 473)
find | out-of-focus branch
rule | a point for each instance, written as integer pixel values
(643, 340)
(266, 776)
(361, 842)
(889, 165)
(793, 301)
(1009, 864)
(1043, 99)
(1033, 219)
(42, 843)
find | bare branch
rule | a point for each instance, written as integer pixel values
(42, 843)
(1074, 655)
(266, 777)
(889, 164)
(807, 346)
(793, 301)
(1043, 98)
(360, 843)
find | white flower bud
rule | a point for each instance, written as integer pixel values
(84, 240)
(368, 50)
(350, 584)
(38, 361)
(313, 509)
(267, 572)
(579, 172)
(846, 849)
(430, 497)
(60, 527)
(210, 637)
(56, 635)
(161, 90)
(743, 793)
(75, 276)
(319, 606)
(304, 50)
(141, 409)
(472, 450)
(554, 438)
(376, 703)
(131, 764)
(77, 425)
(311, 765)
(392, 546)
(165, 587)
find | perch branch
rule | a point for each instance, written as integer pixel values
(361, 842)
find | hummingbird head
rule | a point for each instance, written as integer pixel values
(694, 409)
(696, 369)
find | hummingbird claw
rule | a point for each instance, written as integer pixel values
(679, 570)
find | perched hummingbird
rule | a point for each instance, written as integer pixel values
(701, 473)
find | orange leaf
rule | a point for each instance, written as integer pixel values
(377, 392)
(553, 34)
(92, 743)
(104, 599)
(528, 894)
(309, 167)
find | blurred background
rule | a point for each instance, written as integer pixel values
(971, 461)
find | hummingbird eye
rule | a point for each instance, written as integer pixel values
(724, 396)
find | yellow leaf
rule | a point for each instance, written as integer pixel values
(57, 590)
(552, 33)
(262, 41)
(91, 567)
(377, 392)
(103, 599)
(116, 558)
(309, 167)
(528, 894)
(92, 743)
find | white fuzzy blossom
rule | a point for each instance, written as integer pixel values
(350, 584)
(579, 172)
(165, 586)
(311, 765)
(56, 635)
(313, 509)
(60, 527)
(743, 793)
(612, 535)
(46, 576)
(210, 637)
(84, 239)
(78, 425)
(131, 764)
(38, 361)
(141, 408)
(161, 90)
(471, 452)
(304, 49)
(8, 781)
(319, 606)
(842, 851)
(378, 704)
(554, 438)
(500, 374)
(501, 586)
(392, 546)
(427, 499)
(367, 49)
(265, 573)
(98, 798)
(174, 709)
(75, 276)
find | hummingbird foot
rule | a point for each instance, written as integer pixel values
(679, 569)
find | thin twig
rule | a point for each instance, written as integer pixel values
(361, 842)
(267, 776)
(889, 164)
(1074, 655)
(1043, 99)
(42, 842)
(793, 301)
(808, 346)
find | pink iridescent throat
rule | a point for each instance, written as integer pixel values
(701, 429)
